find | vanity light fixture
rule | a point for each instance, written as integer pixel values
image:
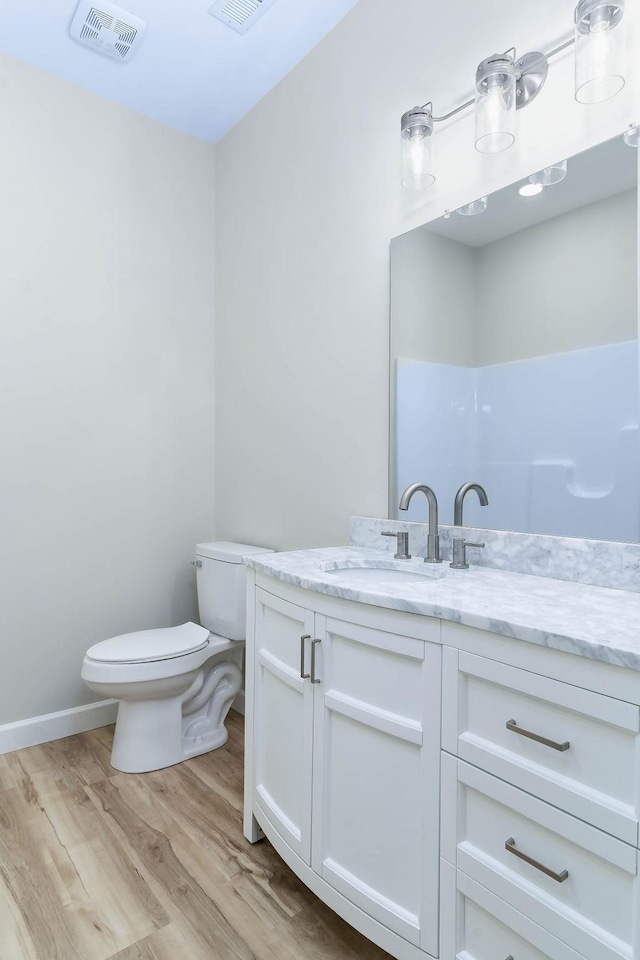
(599, 50)
(474, 208)
(417, 141)
(505, 84)
(632, 135)
(496, 103)
(530, 189)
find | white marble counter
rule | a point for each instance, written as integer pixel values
(596, 622)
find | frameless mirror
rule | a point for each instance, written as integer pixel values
(514, 355)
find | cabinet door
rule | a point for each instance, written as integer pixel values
(283, 719)
(375, 787)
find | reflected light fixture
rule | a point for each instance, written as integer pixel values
(530, 189)
(599, 50)
(554, 173)
(632, 135)
(474, 208)
(505, 85)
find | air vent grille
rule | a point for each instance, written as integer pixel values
(240, 15)
(107, 29)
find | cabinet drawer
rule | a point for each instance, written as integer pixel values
(574, 748)
(582, 886)
(481, 926)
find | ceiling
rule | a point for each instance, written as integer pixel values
(191, 71)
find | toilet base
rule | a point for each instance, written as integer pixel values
(156, 733)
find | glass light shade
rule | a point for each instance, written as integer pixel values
(495, 104)
(474, 208)
(554, 173)
(600, 50)
(632, 136)
(417, 149)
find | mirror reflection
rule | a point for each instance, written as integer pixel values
(514, 353)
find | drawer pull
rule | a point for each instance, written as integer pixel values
(510, 847)
(513, 726)
(303, 675)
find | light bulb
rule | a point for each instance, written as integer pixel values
(530, 189)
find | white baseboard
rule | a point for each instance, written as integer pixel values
(238, 703)
(54, 726)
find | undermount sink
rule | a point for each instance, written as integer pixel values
(371, 572)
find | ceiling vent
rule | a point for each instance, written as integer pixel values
(240, 15)
(107, 29)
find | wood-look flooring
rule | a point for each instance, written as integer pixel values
(101, 865)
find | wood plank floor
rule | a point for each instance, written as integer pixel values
(101, 865)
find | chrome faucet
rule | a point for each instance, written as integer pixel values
(458, 503)
(433, 540)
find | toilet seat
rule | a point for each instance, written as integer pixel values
(150, 646)
(123, 671)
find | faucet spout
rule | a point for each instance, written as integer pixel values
(458, 503)
(433, 540)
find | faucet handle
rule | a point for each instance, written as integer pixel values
(402, 546)
(460, 545)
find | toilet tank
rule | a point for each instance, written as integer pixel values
(221, 579)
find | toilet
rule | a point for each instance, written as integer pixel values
(176, 685)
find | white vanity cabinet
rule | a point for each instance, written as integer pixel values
(344, 749)
(450, 792)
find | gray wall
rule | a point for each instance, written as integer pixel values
(563, 285)
(308, 198)
(106, 380)
(433, 299)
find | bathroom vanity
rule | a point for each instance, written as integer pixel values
(452, 763)
(450, 758)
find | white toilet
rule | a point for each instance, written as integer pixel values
(175, 685)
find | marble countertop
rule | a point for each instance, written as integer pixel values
(596, 622)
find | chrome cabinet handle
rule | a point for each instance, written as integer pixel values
(303, 675)
(314, 679)
(510, 846)
(514, 728)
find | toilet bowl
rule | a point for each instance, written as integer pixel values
(176, 684)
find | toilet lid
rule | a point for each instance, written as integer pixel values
(150, 645)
